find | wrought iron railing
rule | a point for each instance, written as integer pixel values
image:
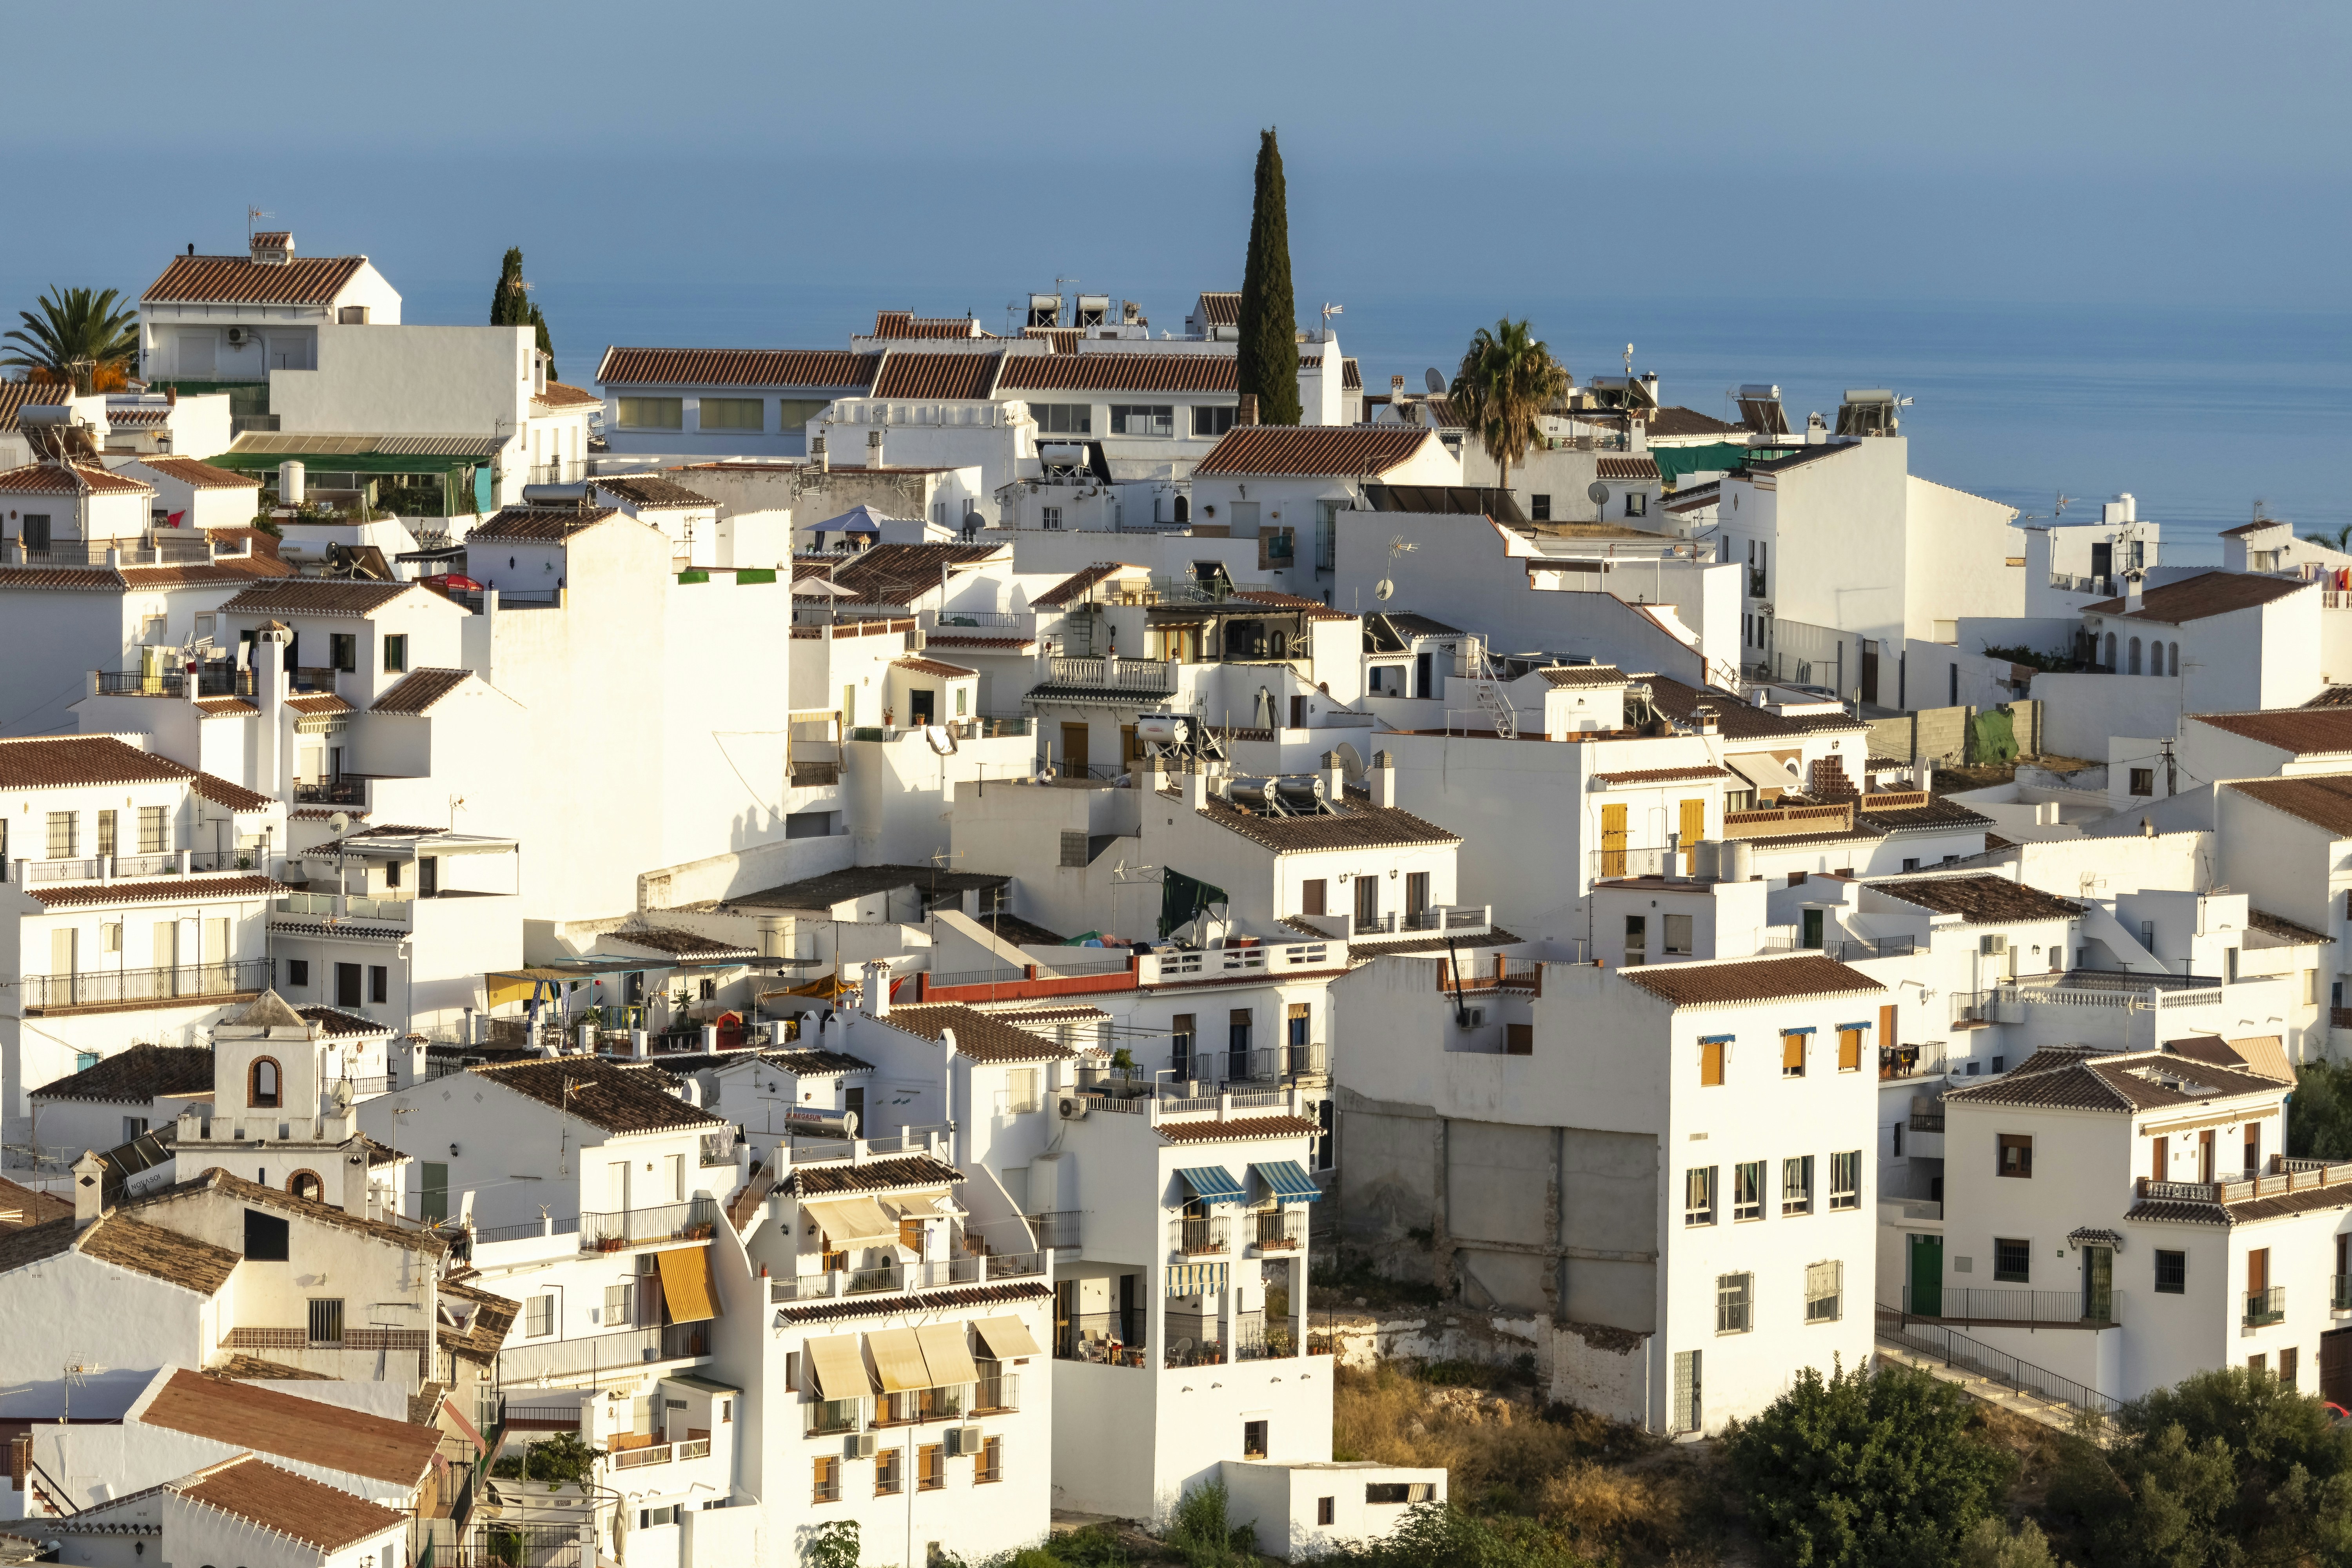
(612, 1231)
(1987, 1305)
(98, 988)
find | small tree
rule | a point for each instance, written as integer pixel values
(80, 336)
(1866, 1469)
(1266, 359)
(512, 306)
(2320, 1115)
(831, 1545)
(1506, 380)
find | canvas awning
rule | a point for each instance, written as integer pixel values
(898, 1357)
(1213, 1185)
(946, 1355)
(1007, 1338)
(852, 1222)
(840, 1370)
(1287, 1180)
(685, 1285)
(1761, 769)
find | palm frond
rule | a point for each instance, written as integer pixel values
(78, 332)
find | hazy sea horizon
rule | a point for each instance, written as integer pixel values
(2197, 412)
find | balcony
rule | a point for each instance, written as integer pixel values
(958, 1272)
(345, 791)
(1146, 675)
(1200, 1237)
(1466, 919)
(615, 1231)
(828, 1417)
(2339, 1293)
(1926, 1120)
(1279, 1231)
(2284, 1176)
(2265, 1306)
(998, 1394)
(1899, 1062)
(594, 1354)
(117, 987)
(1058, 1230)
(2046, 1308)
(1273, 1065)
(1106, 1339)
(1849, 951)
(214, 679)
(337, 906)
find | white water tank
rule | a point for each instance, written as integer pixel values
(290, 484)
(1735, 860)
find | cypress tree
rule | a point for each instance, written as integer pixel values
(1269, 320)
(510, 305)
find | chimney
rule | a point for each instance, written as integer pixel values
(355, 1180)
(1247, 413)
(90, 1189)
(1382, 779)
(1704, 719)
(817, 451)
(272, 248)
(2132, 582)
(874, 448)
(272, 754)
(1396, 386)
(1196, 790)
(1335, 778)
(877, 989)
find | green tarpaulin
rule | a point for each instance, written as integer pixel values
(1182, 897)
(1992, 737)
(1677, 463)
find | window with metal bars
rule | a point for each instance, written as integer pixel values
(326, 1320)
(1733, 1303)
(1824, 1291)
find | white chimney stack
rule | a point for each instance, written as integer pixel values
(2132, 583)
(1382, 779)
(816, 450)
(877, 989)
(90, 1189)
(1196, 790)
(874, 448)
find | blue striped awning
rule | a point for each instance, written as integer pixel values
(1213, 1185)
(1288, 1180)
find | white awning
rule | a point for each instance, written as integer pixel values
(898, 1357)
(946, 1355)
(1762, 769)
(1008, 1338)
(852, 1222)
(840, 1370)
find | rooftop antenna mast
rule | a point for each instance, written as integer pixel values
(253, 215)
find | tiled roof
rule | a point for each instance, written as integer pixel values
(907, 324)
(1736, 720)
(1661, 775)
(652, 490)
(816, 368)
(1119, 372)
(1628, 468)
(483, 1337)
(240, 280)
(1584, 675)
(681, 944)
(541, 525)
(50, 762)
(1667, 423)
(922, 375)
(240, 1367)
(1355, 823)
(1981, 900)
(125, 1243)
(2260, 525)
(2324, 800)
(2141, 1080)
(1315, 609)
(830, 887)
(212, 1179)
(2305, 731)
(284, 1504)
(17, 395)
(933, 666)
(1074, 586)
(223, 792)
(332, 1436)
(178, 890)
(2285, 929)
(1937, 812)
(317, 596)
(22, 1206)
(560, 396)
(1339, 452)
(1219, 308)
(1391, 631)
(137, 1073)
(2262, 1056)
(1240, 1127)
(70, 478)
(601, 1094)
(873, 1176)
(883, 1305)
(983, 1036)
(2195, 598)
(814, 1062)
(419, 690)
(203, 476)
(335, 1023)
(318, 702)
(900, 573)
(1751, 980)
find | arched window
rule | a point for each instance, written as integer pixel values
(261, 1084)
(1183, 508)
(306, 1185)
(2111, 650)
(2135, 655)
(2174, 660)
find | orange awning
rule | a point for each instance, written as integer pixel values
(685, 1285)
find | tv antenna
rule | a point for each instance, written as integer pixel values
(1330, 311)
(1386, 587)
(78, 1371)
(1628, 359)
(2065, 500)
(253, 216)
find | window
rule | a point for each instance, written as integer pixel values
(1020, 1092)
(1637, 503)
(734, 414)
(2016, 1153)
(653, 1518)
(269, 1238)
(620, 1305)
(1050, 518)
(1313, 897)
(379, 983)
(35, 534)
(1793, 1053)
(1748, 1189)
(889, 1472)
(1711, 1055)
(2289, 1359)
(1824, 1292)
(990, 1466)
(1733, 1303)
(2142, 780)
(1213, 418)
(433, 1190)
(1678, 936)
(64, 840)
(1327, 1510)
(261, 1084)
(2011, 1261)
(931, 1468)
(539, 1315)
(653, 414)
(343, 650)
(1637, 938)
(1797, 1185)
(152, 828)
(1518, 1039)
(1180, 1045)
(305, 1184)
(298, 973)
(326, 1320)
(1143, 419)
(1850, 1049)
(827, 1486)
(1540, 508)
(106, 833)
(1698, 1196)
(1846, 1180)
(395, 654)
(1252, 1439)
(347, 985)
(1911, 862)
(1063, 418)
(1400, 1491)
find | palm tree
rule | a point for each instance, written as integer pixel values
(2339, 541)
(78, 336)
(1506, 379)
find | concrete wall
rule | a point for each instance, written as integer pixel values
(1957, 550)
(2082, 710)
(393, 380)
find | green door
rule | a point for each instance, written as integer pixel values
(1926, 1293)
(2099, 1284)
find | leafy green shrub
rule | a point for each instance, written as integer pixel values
(1437, 1535)
(1990, 1543)
(1204, 1537)
(831, 1545)
(1866, 1469)
(2320, 1115)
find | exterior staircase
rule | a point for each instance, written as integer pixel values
(1983, 1373)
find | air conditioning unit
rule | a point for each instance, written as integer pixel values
(1473, 1017)
(963, 1442)
(240, 336)
(1073, 1107)
(861, 1445)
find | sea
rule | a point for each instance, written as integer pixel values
(2202, 415)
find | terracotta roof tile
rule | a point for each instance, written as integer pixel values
(17, 395)
(1355, 824)
(137, 1073)
(1667, 423)
(1219, 308)
(561, 399)
(603, 1094)
(312, 1512)
(2303, 731)
(1240, 1127)
(203, 476)
(24, 1206)
(125, 1243)
(881, 1306)
(49, 763)
(317, 596)
(540, 524)
(1634, 469)
(933, 666)
(980, 1036)
(1119, 372)
(1938, 812)
(240, 280)
(1981, 900)
(313, 703)
(70, 478)
(335, 1023)
(485, 1335)
(873, 1176)
(212, 1179)
(922, 375)
(2195, 598)
(1661, 775)
(900, 573)
(2285, 929)
(1074, 586)
(792, 368)
(813, 1061)
(1584, 675)
(1341, 452)
(681, 944)
(1751, 980)
(2324, 800)
(223, 792)
(652, 490)
(1736, 720)
(418, 690)
(907, 324)
(332, 1436)
(2139, 1080)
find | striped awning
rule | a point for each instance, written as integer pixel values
(898, 1357)
(840, 1369)
(685, 1285)
(1213, 1185)
(1287, 1180)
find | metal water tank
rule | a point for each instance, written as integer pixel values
(290, 484)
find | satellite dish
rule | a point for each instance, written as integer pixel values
(1433, 379)
(343, 1094)
(1597, 493)
(1383, 589)
(1351, 760)
(340, 821)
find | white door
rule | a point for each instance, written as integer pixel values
(618, 1196)
(676, 1183)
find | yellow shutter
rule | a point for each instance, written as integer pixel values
(1612, 840)
(685, 1285)
(1710, 1063)
(1849, 1050)
(1793, 1055)
(1694, 829)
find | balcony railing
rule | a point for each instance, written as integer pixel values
(2339, 1293)
(823, 1417)
(612, 1231)
(1926, 1121)
(2265, 1306)
(1194, 1237)
(598, 1354)
(98, 987)
(2284, 1176)
(1058, 1229)
(2067, 1307)
(1117, 674)
(1108, 1339)
(1847, 952)
(1283, 1231)
(332, 792)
